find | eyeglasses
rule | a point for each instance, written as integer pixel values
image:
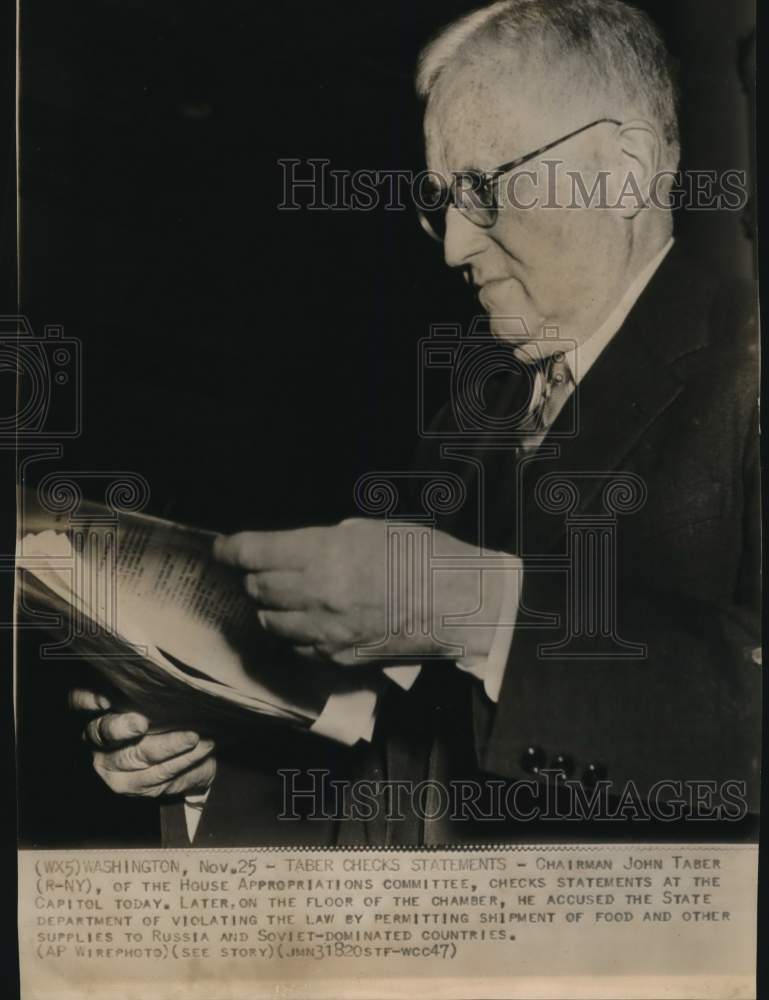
(473, 193)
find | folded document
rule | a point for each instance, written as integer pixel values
(172, 629)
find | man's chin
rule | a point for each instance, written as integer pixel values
(516, 330)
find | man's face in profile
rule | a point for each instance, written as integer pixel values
(553, 266)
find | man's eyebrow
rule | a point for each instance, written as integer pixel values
(475, 168)
(467, 168)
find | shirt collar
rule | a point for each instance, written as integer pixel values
(582, 357)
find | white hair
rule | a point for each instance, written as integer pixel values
(619, 47)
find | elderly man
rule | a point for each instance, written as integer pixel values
(630, 398)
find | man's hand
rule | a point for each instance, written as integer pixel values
(133, 761)
(330, 592)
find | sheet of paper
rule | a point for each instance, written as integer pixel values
(155, 584)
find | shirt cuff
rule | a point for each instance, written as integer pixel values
(348, 716)
(490, 669)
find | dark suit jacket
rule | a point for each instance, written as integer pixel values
(653, 678)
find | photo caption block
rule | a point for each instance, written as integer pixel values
(620, 921)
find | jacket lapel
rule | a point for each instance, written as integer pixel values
(630, 385)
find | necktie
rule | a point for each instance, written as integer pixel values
(552, 385)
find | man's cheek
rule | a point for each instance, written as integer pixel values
(534, 297)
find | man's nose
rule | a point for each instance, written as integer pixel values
(463, 238)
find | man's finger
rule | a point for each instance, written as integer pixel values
(342, 656)
(152, 749)
(148, 780)
(258, 550)
(167, 770)
(82, 700)
(296, 626)
(278, 589)
(115, 728)
(196, 780)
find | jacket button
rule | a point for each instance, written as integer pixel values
(592, 774)
(533, 760)
(564, 763)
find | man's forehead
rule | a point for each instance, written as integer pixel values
(479, 111)
(500, 104)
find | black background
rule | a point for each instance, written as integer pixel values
(251, 363)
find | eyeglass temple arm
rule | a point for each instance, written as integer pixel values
(506, 167)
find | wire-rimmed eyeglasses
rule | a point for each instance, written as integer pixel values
(474, 193)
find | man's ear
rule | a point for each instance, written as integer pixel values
(641, 151)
